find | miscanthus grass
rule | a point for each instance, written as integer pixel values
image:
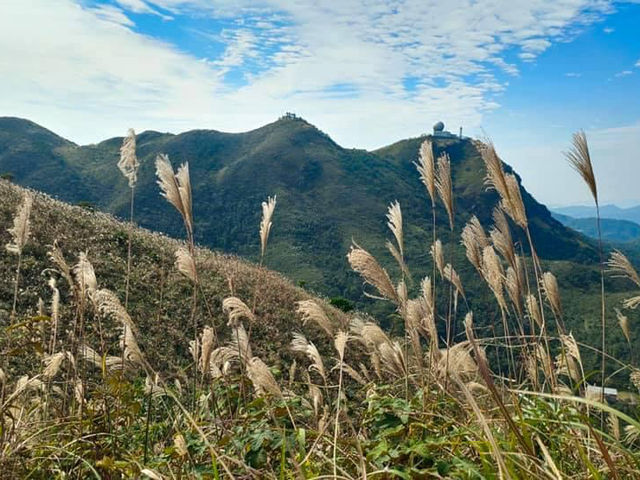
(86, 391)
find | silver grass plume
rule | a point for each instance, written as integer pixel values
(262, 379)
(176, 188)
(515, 206)
(55, 310)
(458, 360)
(634, 377)
(354, 374)
(571, 362)
(368, 267)
(394, 222)
(426, 168)
(108, 304)
(533, 309)
(315, 394)
(580, 160)
(513, 287)
(268, 208)
(474, 240)
(240, 343)
(128, 163)
(444, 185)
(369, 334)
(620, 266)
(505, 184)
(549, 285)
(312, 312)
(194, 350)
(236, 309)
(53, 363)
(130, 348)
(493, 274)
(21, 226)
(221, 359)
(393, 360)
(185, 264)
(429, 317)
(403, 293)
(340, 342)
(495, 178)
(85, 275)
(452, 276)
(301, 345)
(501, 237)
(207, 346)
(623, 321)
(438, 256)
(56, 256)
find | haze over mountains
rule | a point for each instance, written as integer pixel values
(631, 214)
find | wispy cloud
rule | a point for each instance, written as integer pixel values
(90, 72)
(573, 74)
(623, 73)
(140, 6)
(112, 14)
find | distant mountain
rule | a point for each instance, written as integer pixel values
(631, 214)
(327, 195)
(612, 230)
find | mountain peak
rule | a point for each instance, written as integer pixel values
(15, 129)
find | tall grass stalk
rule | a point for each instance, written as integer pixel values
(19, 236)
(580, 160)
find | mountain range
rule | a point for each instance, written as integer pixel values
(630, 214)
(613, 230)
(327, 197)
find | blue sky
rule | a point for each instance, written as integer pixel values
(527, 73)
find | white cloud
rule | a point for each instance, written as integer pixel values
(608, 30)
(86, 74)
(623, 73)
(140, 6)
(637, 65)
(573, 74)
(112, 14)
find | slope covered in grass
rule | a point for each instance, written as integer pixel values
(160, 296)
(267, 404)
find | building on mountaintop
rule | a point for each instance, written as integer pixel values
(440, 132)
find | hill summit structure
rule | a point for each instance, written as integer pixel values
(440, 132)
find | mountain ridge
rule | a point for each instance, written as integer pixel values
(327, 195)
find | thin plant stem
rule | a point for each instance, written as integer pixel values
(15, 288)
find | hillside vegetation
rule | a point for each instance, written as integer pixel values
(150, 358)
(330, 194)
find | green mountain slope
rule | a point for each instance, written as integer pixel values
(327, 195)
(160, 297)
